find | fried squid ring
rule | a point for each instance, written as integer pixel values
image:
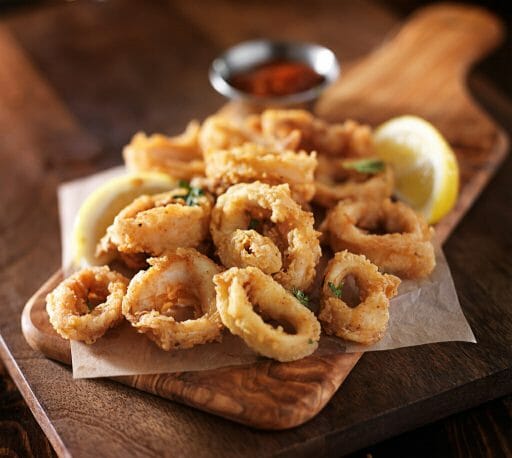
(153, 224)
(158, 299)
(334, 182)
(251, 162)
(280, 225)
(179, 157)
(349, 139)
(366, 321)
(88, 303)
(389, 234)
(241, 291)
(221, 132)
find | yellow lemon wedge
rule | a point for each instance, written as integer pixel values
(426, 169)
(100, 208)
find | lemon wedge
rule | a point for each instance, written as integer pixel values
(426, 169)
(100, 208)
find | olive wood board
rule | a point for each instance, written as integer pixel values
(433, 60)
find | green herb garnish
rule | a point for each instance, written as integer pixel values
(302, 297)
(311, 342)
(370, 166)
(336, 290)
(253, 224)
(192, 196)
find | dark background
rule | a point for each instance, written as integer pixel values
(483, 431)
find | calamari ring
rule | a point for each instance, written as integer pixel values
(333, 182)
(284, 226)
(179, 157)
(240, 290)
(367, 321)
(220, 132)
(88, 303)
(224, 131)
(174, 282)
(349, 139)
(153, 224)
(401, 240)
(252, 162)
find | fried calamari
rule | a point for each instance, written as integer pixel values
(349, 139)
(366, 319)
(254, 219)
(251, 162)
(389, 234)
(88, 303)
(153, 224)
(336, 179)
(247, 297)
(174, 302)
(179, 157)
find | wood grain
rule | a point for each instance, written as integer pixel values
(110, 89)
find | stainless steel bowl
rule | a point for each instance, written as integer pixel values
(250, 54)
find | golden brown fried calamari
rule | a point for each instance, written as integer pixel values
(335, 182)
(157, 298)
(88, 303)
(179, 157)
(251, 162)
(153, 224)
(389, 234)
(367, 321)
(239, 291)
(274, 224)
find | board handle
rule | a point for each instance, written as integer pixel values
(421, 71)
(446, 36)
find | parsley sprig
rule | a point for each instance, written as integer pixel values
(370, 166)
(337, 291)
(193, 194)
(301, 296)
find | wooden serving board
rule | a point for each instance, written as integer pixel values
(421, 71)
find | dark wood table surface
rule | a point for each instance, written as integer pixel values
(483, 234)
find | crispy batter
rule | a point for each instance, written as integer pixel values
(239, 291)
(389, 234)
(153, 224)
(87, 304)
(251, 162)
(284, 228)
(349, 139)
(367, 321)
(179, 157)
(334, 182)
(157, 297)
(220, 132)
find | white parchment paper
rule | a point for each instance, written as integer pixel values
(424, 311)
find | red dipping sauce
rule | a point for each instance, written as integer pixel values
(277, 78)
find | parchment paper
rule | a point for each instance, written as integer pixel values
(424, 311)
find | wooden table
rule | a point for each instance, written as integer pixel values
(97, 72)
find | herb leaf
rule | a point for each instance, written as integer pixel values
(301, 296)
(370, 166)
(336, 290)
(253, 223)
(192, 196)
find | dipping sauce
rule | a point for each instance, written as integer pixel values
(277, 78)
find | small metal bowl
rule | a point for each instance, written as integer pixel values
(250, 54)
